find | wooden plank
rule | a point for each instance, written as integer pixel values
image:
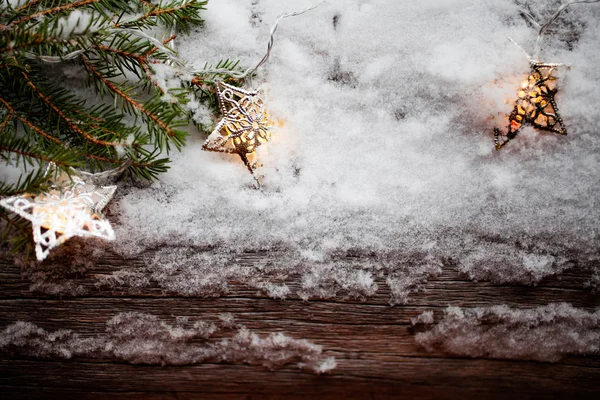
(352, 331)
(404, 378)
(372, 342)
(450, 288)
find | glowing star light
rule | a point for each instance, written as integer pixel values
(244, 127)
(535, 105)
(70, 207)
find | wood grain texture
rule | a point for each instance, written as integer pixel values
(373, 343)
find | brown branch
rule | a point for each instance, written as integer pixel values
(29, 124)
(152, 50)
(28, 4)
(10, 221)
(106, 159)
(151, 77)
(121, 52)
(128, 99)
(37, 39)
(33, 43)
(203, 86)
(33, 155)
(53, 10)
(91, 117)
(3, 125)
(141, 58)
(100, 120)
(70, 123)
(120, 162)
(157, 12)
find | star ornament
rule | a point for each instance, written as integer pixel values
(535, 105)
(244, 126)
(71, 207)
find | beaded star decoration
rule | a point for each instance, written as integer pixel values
(70, 207)
(244, 126)
(535, 105)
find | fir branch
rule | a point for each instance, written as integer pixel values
(147, 110)
(135, 59)
(42, 121)
(33, 179)
(173, 14)
(45, 122)
(5, 121)
(29, 4)
(18, 232)
(65, 7)
(28, 123)
(62, 115)
(13, 222)
(37, 156)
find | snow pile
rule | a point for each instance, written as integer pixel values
(145, 339)
(64, 272)
(386, 144)
(78, 22)
(196, 272)
(79, 269)
(545, 333)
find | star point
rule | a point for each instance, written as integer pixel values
(70, 207)
(535, 105)
(244, 126)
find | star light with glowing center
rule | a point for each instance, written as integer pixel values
(70, 207)
(535, 105)
(244, 126)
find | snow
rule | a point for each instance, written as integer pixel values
(381, 172)
(196, 272)
(146, 339)
(385, 148)
(545, 333)
(16, 3)
(77, 22)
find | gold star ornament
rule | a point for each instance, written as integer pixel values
(244, 126)
(70, 207)
(535, 105)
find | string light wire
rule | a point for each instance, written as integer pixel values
(542, 28)
(251, 70)
(536, 51)
(174, 60)
(272, 35)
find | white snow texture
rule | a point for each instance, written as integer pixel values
(383, 167)
(145, 339)
(386, 147)
(545, 333)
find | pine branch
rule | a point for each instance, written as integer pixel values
(26, 122)
(43, 121)
(136, 59)
(176, 13)
(29, 4)
(156, 124)
(72, 125)
(58, 9)
(27, 154)
(35, 178)
(18, 232)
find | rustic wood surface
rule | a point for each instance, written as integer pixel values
(373, 343)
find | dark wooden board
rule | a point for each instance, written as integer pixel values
(372, 342)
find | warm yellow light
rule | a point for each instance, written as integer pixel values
(244, 127)
(534, 105)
